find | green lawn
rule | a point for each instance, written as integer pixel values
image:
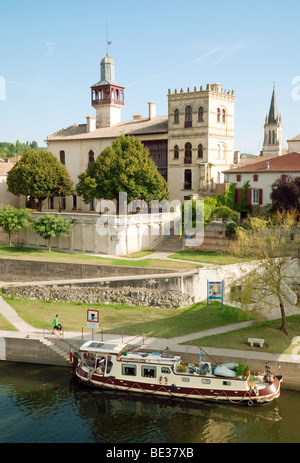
(59, 256)
(156, 322)
(208, 257)
(276, 342)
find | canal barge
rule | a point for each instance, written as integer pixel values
(114, 366)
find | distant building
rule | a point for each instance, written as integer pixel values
(261, 176)
(191, 146)
(273, 131)
(294, 144)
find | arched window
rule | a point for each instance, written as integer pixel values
(188, 153)
(188, 116)
(200, 114)
(273, 141)
(200, 151)
(270, 137)
(176, 116)
(219, 152)
(91, 158)
(176, 152)
(218, 115)
(224, 116)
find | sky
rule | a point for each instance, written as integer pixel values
(50, 55)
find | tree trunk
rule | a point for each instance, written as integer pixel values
(283, 316)
(49, 244)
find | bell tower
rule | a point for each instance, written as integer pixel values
(107, 95)
(273, 130)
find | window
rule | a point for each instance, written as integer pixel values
(270, 137)
(205, 381)
(224, 116)
(255, 197)
(165, 370)
(273, 135)
(188, 116)
(188, 153)
(92, 205)
(200, 151)
(74, 202)
(218, 115)
(255, 178)
(148, 372)
(226, 383)
(185, 379)
(129, 370)
(91, 158)
(187, 179)
(176, 152)
(176, 116)
(62, 157)
(200, 114)
(238, 178)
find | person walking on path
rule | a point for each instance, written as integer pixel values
(56, 325)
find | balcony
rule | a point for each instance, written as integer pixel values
(188, 160)
(97, 101)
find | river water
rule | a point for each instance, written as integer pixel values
(41, 404)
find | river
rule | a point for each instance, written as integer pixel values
(42, 404)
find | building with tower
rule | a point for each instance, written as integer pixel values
(191, 146)
(272, 145)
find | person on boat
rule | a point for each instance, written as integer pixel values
(56, 326)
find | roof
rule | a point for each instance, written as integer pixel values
(273, 113)
(137, 127)
(5, 167)
(296, 138)
(286, 163)
(103, 347)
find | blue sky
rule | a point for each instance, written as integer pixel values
(50, 55)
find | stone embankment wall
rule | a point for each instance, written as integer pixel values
(26, 270)
(94, 295)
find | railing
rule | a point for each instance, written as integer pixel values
(96, 101)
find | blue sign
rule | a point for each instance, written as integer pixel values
(214, 291)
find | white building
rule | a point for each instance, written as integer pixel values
(191, 146)
(261, 176)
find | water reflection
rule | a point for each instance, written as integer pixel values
(45, 404)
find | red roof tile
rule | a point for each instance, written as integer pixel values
(286, 163)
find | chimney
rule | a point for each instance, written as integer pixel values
(152, 110)
(90, 124)
(268, 166)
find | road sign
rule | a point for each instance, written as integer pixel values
(93, 319)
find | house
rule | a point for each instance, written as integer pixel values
(191, 146)
(7, 198)
(294, 144)
(261, 175)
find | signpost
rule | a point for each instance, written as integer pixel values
(214, 291)
(93, 320)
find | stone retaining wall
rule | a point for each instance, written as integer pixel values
(94, 295)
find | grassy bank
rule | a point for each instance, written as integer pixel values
(208, 257)
(151, 321)
(24, 253)
(276, 342)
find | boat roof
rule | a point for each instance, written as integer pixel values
(103, 347)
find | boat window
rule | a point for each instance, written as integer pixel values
(205, 381)
(149, 372)
(129, 370)
(185, 379)
(165, 370)
(226, 383)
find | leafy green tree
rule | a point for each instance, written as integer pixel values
(12, 220)
(126, 167)
(39, 175)
(272, 242)
(52, 226)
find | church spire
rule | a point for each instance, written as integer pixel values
(273, 113)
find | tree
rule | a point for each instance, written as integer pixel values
(285, 194)
(12, 219)
(52, 226)
(273, 242)
(126, 167)
(39, 175)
